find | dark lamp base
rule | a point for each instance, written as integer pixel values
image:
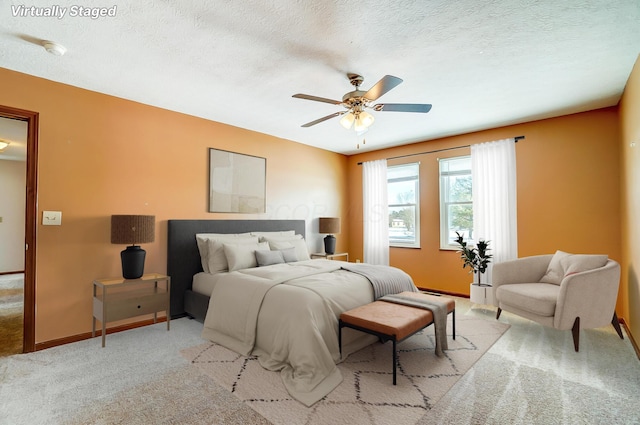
(330, 244)
(132, 262)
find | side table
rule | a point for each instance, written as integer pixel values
(330, 256)
(119, 298)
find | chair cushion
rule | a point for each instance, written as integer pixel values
(564, 264)
(536, 298)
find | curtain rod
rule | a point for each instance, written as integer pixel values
(439, 150)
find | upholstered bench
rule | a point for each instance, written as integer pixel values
(391, 321)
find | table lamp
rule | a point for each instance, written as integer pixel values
(329, 225)
(132, 229)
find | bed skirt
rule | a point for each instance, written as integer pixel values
(196, 305)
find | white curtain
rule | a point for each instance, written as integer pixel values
(375, 212)
(493, 170)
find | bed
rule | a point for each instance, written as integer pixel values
(286, 313)
(183, 258)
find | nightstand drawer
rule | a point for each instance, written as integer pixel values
(136, 306)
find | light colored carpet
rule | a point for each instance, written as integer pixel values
(531, 375)
(138, 378)
(366, 395)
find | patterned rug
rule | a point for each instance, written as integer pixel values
(366, 395)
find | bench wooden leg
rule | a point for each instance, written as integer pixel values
(453, 317)
(394, 360)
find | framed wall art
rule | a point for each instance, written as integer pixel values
(237, 182)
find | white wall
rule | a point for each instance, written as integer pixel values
(12, 213)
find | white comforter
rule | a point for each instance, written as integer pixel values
(287, 316)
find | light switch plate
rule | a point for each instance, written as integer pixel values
(51, 218)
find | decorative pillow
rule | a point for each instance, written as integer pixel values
(564, 264)
(267, 258)
(217, 260)
(242, 256)
(579, 263)
(274, 234)
(302, 253)
(555, 271)
(203, 248)
(279, 238)
(289, 254)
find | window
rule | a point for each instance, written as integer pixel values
(403, 189)
(456, 203)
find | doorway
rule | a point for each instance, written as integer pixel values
(30, 221)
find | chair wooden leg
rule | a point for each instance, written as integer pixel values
(498, 314)
(576, 333)
(616, 324)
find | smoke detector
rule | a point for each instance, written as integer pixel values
(54, 48)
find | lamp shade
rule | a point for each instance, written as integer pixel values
(133, 229)
(329, 225)
(347, 120)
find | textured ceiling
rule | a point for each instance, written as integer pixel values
(481, 63)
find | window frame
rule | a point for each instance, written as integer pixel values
(415, 205)
(444, 204)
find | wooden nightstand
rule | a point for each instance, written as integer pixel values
(121, 298)
(330, 256)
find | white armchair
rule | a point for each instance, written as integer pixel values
(562, 291)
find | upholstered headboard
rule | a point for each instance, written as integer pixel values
(183, 258)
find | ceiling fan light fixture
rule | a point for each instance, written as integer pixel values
(347, 120)
(363, 121)
(366, 118)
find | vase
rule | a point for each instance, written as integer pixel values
(481, 294)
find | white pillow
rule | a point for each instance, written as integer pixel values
(564, 264)
(267, 258)
(201, 241)
(274, 234)
(279, 238)
(217, 260)
(579, 263)
(302, 253)
(243, 256)
(555, 272)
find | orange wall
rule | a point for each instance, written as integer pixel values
(100, 155)
(630, 149)
(568, 194)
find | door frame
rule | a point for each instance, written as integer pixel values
(31, 221)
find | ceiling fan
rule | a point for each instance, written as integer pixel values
(355, 103)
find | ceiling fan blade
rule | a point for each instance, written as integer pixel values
(385, 84)
(319, 120)
(317, 99)
(402, 107)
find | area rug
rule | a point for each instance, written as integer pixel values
(366, 395)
